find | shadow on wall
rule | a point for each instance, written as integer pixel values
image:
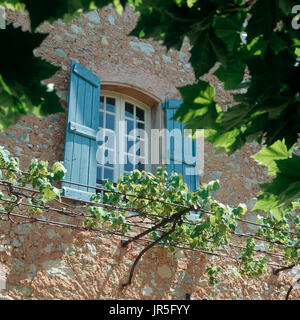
(46, 262)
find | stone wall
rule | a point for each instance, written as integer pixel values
(43, 262)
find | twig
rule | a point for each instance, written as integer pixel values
(276, 271)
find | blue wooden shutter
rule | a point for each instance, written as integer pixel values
(82, 126)
(178, 165)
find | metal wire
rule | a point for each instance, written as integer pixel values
(119, 234)
(5, 183)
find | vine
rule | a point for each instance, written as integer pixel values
(160, 205)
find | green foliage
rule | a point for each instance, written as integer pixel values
(269, 155)
(278, 195)
(208, 232)
(38, 176)
(214, 274)
(286, 184)
(251, 265)
(40, 11)
(21, 73)
(270, 108)
(152, 198)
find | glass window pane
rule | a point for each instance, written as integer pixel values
(100, 155)
(140, 114)
(108, 174)
(138, 147)
(101, 102)
(101, 119)
(99, 174)
(128, 110)
(110, 104)
(110, 121)
(140, 125)
(128, 166)
(109, 158)
(129, 125)
(130, 146)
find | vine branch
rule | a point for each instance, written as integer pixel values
(144, 251)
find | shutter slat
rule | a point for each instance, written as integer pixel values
(82, 130)
(81, 146)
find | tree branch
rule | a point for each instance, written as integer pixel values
(290, 289)
(174, 217)
(276, 271)
(144, 251)
(247, 5)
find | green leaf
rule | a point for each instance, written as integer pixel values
(203, 57)
(51, 193)
(286, 184)
(232, 76)
(50, 11)
(228, 29)
(269, 155)
(198, 110)
(278, 213)
(21, 90)
(266, 202)
(287, 5)
(263, 19)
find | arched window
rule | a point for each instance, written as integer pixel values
(124, 126)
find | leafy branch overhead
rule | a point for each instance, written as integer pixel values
(257, 50)
(21, 73)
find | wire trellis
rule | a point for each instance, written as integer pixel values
(135, 213)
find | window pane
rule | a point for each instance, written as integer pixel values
(110, 121)
(140, 114)
(99, 174)
(128, 110)
(101, 102)
(129, 125)
(128, 166)
(110, 104)
(130, 146)
(140, 125)
(140, 133)
(108, 174)
(100, 155)
(109, 158)
(101, 119)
